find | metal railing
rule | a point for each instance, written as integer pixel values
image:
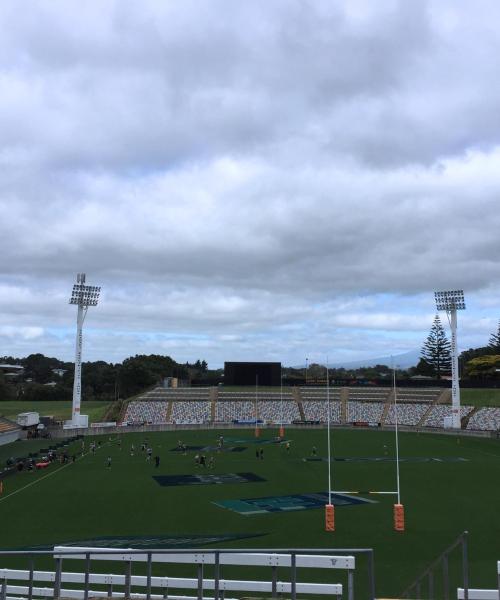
(425, 584)
(482, 594)
(336, 559)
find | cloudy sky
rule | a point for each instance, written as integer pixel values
(248, 180)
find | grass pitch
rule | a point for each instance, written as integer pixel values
(480, 396)
(61, 411)
(86, 500)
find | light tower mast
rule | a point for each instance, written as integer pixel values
(83, 296)
(451, 302)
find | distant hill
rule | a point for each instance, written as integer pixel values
(402, 361)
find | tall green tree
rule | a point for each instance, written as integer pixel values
(423, 368)
(494, 341)
(436, 350)
(483, 367)
(39, 367)
(6, 390)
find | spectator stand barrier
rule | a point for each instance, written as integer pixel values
(104, 584)
(425, 586)
(486, 418)
(477, 594)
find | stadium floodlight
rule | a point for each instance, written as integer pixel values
(450, 302)
(453, 300)
(82, 296)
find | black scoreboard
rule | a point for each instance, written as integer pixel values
(250, 373)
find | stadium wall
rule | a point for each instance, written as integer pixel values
(96, 431)
(9, 436)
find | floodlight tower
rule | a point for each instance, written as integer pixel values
(451, 302)
(83, 296)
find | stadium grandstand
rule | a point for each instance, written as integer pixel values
(486, 418)
(416, 407)
(9, 431)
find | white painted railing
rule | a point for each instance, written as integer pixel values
(256, 559)
(476, 594)
(18, 584)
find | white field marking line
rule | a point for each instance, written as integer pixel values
(473, 450)
(358, 492)
(478, 450)
(488, 453)
(44, 477)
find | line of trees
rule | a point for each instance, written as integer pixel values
(108, 381)
(47, 378)
(435, 358)
(316, 373)
(484, 363)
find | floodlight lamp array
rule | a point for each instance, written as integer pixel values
(86, 295)
(451, 300)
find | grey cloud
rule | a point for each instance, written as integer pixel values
(261, 171)
(135, 89)
(120, 88)
(338, 231)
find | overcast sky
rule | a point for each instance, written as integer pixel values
(264, 180)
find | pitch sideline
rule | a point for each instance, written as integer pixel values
(44, 477)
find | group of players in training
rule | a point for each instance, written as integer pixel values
(201, 460)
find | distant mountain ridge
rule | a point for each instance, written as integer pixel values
(402, 361)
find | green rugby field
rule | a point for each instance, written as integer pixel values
(442, 495)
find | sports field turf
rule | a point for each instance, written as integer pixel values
(84, 501)
(480, 396)
(59, 410)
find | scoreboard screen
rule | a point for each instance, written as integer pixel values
(251, 373)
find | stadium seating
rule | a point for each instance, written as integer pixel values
(314, 403)
(367, 412)
(7, 426)
(436, 417)
(486, 418)
(167, 394)
(419, 395)
(146, 412)
(319, 393)
(190, 412)
(233, 406)
(9, 431)
(275, 411)
(189, 406)
(316, 410)
(369, 394)
(409, 413)
(227, 411)
(370, 405)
